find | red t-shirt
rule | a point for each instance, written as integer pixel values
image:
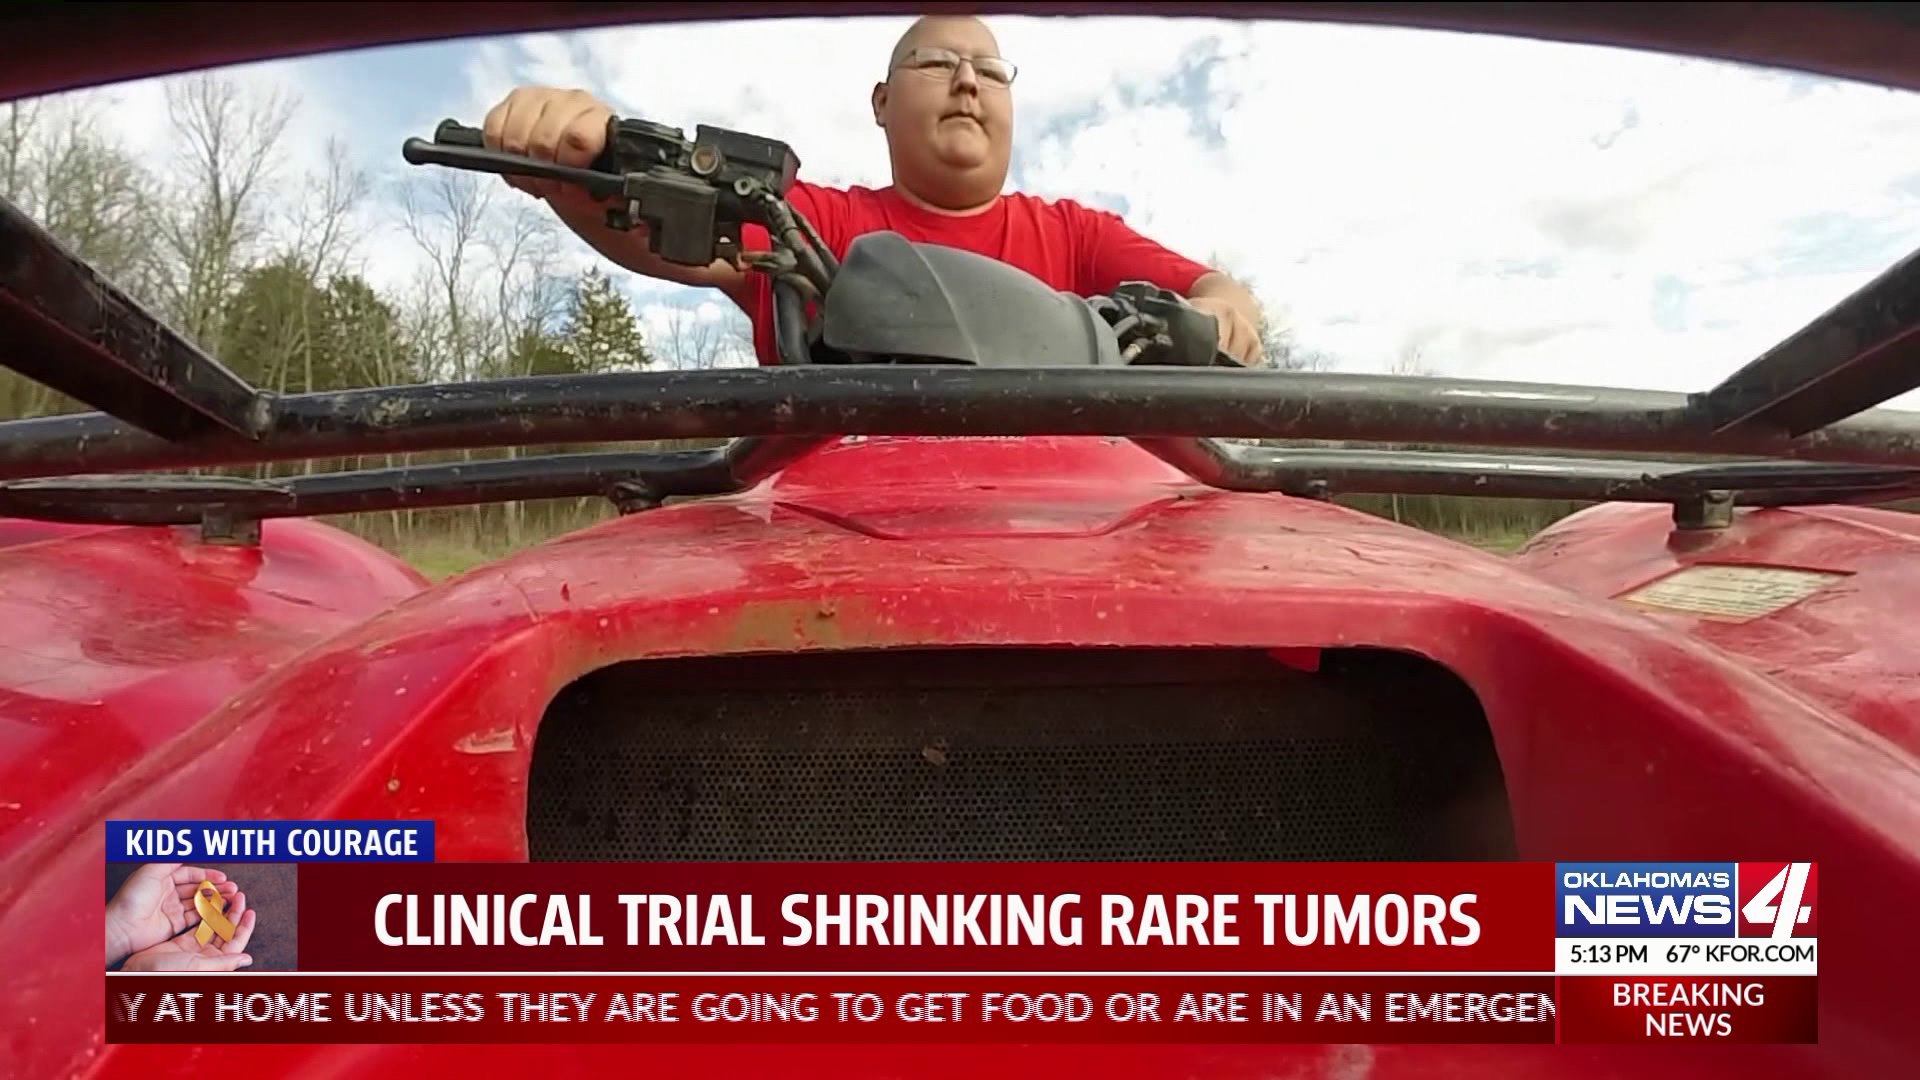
(1069, 246)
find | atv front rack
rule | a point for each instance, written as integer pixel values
(637, 481)
(1806, 409)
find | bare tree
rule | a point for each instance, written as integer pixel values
(740, 337)
(689, 342)
(322, 234)
(59, 169)
(491, 285)
(528, 296)
(445, 214)
(17, 133)
(1411, 360)
(94, 198)
(320, 238)
(213, 223)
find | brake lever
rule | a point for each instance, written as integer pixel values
(460, 147)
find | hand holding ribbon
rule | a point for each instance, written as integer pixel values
(232, 929)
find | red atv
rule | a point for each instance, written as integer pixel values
(976, 579)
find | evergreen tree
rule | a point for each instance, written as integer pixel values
(602, 332)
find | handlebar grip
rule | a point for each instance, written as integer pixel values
(601, 185)
(454, 133)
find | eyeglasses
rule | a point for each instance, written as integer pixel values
(945, 63)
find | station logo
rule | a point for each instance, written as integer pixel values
(1644, 900)
(1777, 899)
(1695, 900)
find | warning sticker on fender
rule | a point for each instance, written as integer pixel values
(1731, 593)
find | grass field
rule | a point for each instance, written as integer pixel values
(444, 553)
(441, 557)
(1504, 543)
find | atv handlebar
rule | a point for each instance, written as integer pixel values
(691, 194)
(465, 148)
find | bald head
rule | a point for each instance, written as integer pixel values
(942, 30)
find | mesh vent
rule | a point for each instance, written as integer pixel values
(1281, 767)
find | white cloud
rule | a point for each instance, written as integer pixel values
(1376, 182)
(690, 331)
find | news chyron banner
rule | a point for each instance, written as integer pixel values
(351, 932)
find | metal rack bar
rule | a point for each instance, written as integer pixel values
(640, 479)
(67, 328)
(1860, 353)
(824, 401)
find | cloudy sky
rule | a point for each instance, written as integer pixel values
(1474, 205)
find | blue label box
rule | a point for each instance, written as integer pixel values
(1644, 900)
(269, 841)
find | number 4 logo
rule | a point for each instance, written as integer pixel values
(1783, 904)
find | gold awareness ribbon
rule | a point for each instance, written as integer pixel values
(213, 915)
